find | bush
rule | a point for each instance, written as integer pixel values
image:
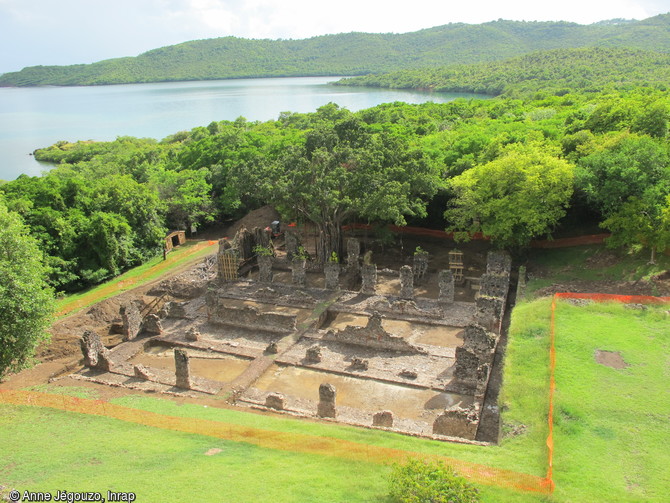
(422, 482)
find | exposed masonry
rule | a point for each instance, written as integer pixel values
(398, 342)
(132, 320)
(372, 335)
(182, 369)
(406, 282)
(327, 394)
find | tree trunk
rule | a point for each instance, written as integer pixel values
(330, 240)
(652, 260)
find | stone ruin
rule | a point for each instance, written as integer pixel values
(406, 282)
(132, 320)
(182, 369)
(458, 422)
(372, 335)
(326, 406)
(383, 419)
(371, 352)
(248, 317)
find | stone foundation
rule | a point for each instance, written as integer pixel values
(457, 422)
(372, 335)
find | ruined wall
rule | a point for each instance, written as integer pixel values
(249, 317)
(132, 320)
(458, 422)
(372, 335)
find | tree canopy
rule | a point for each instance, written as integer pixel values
(520, 195)
(26, 301)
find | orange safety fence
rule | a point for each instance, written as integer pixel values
(590, 239)
(436, 233)
(284, 441)
(596, 297)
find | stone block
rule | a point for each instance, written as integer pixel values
(313, 354)
(141, 372)
(383, 419)
(151, 325)
(458, 422)
(275, 401)
(359, 364)
(192, 334)
(369, 279)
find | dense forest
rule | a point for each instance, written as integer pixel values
(559, 71)
(515, 167)
(350, 53)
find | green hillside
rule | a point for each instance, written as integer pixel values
(557, 71)
(350, 53)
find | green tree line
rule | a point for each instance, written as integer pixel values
(510, 168)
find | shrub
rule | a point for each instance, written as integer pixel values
(421, 482)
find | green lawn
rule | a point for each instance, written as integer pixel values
(612, 425)
(611, 429)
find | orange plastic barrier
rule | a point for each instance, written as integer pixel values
(414, 231)
(591, 239)
(294, 442)
(607, 297)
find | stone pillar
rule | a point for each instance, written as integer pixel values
(275, 401)
(353, 254)
(298, 272)
(291, 242)
(264, 268)
(446, 284)
(182, 369)
(132, 320)
(406, 282)
(331, 271)
(91, 347)
(383, 419)
(369, 279)
(327, 395)
(244, 240)
(420, 265)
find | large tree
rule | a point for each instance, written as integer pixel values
(26, 301)
(512, 199)
(344, 167)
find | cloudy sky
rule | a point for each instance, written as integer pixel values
(47, 32)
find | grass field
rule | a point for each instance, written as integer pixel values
(610, 430)
(138, 276)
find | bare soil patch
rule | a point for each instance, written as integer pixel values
(611, 359)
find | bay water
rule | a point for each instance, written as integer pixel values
(37, 117)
